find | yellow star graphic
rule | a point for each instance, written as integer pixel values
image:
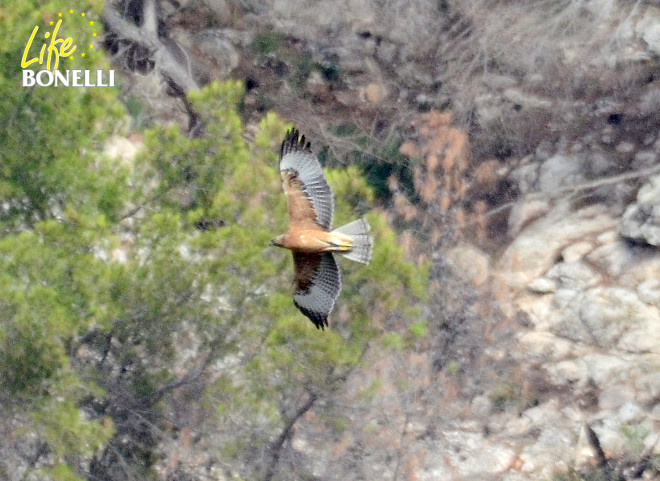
(51, 22)
(91, 22)
(82, 54)
(70, 11)
(93, 35)
(91, 46)
(59, 14)
(82, 14)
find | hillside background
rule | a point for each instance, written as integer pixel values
(507, 155)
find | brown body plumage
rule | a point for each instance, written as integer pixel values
(313, 240)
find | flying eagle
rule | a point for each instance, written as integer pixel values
(310, 237)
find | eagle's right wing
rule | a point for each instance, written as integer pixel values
(308, 193)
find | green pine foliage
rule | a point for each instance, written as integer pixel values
(125, 287)
(58, 196)
(49, 134)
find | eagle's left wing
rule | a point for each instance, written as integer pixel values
(317, 285)
(308, 193)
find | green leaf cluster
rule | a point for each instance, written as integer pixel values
(48, 134)
(58, 197)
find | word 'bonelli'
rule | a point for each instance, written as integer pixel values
(53, 49)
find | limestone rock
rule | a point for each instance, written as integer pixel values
(613, 255)
(609, 317)
(615, 397)
(470, 263)
(546, 345)
(574, 275)
(546, 454)
(526, 177)
(560, 171)
(525, 211)
(641, 221)
(648, 386)
(374, 92)
(534, 250)
(499, 82)
(214, 46)
(649, 292)
(481, 406)
(645, 158)
(122, 149)
(648, 28)
(220, 9)
(575, 252)
(386, 51)
(599, 369)
(542, 285)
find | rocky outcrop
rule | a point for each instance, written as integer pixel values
(582, 306)
(641, 221)
(591, 303)
(534, 251)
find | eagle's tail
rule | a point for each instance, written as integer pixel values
(361, 243)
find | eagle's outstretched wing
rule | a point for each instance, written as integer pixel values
(317, 285)
(308, 193)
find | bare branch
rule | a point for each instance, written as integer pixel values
(166, 61)
(595, 444)
(149, 18)
(127, 30)
(285, 435)
(574, 189)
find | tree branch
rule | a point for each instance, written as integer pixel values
(285, 435)
(165, 58)
(574, 189)
(150, 18)
(595, 444)
(127, 30)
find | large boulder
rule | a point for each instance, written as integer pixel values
(641, 221)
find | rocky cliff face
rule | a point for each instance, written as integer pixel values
(570, 383)
(543, 351)
(589, 297)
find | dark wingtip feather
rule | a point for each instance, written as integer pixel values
(294, 142)
(320, 321)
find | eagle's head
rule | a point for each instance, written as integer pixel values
(277, 241)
